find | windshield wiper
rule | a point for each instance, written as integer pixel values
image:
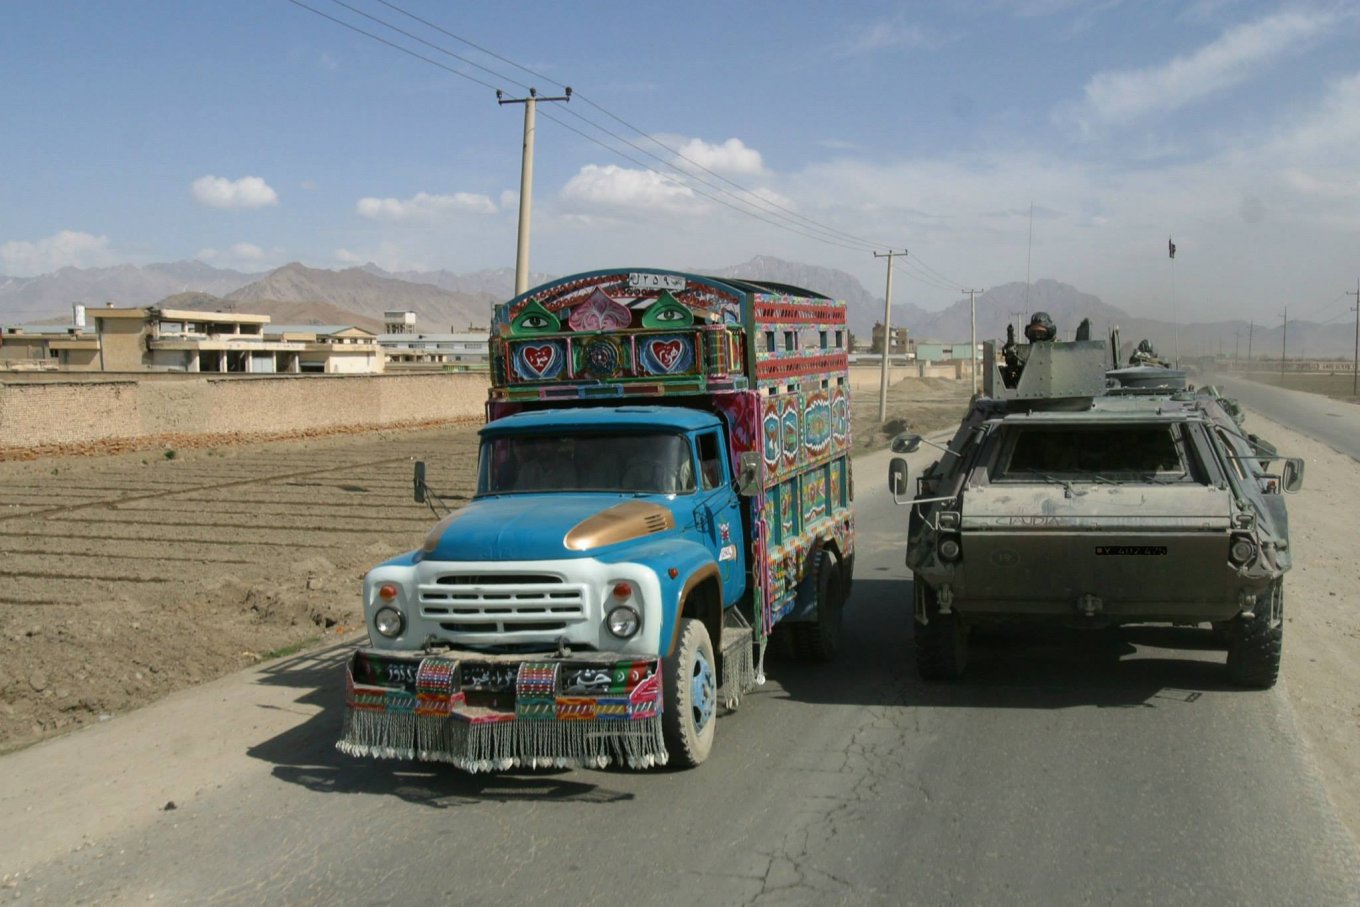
(1068, 490)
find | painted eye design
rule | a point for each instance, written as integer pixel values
(671, 315)
(534, 322)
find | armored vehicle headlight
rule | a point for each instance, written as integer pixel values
(950, 549)
(624, 621)
(1241, 551)
(389, 622)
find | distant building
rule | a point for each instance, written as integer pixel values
(138, 339)
(399, 322)
(337, 349)
(64, 347)
(900, 343)
(436, 351)
(943, 351)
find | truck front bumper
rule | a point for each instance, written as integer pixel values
(487, 713)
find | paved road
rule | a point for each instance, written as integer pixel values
(1335, 423)
(1114, 768)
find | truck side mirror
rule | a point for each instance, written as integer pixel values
(906, 444)
(750, 474)
(897, 478)
(1291, 476)
(419, 482)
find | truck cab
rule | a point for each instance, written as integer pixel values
(579, 518)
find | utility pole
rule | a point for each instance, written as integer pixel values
(1019, 322)
(887, 336)
(1251, 329)
(1355, 362)
(1237, 344)
(1284, 343)
(526, 180)
(972, 347)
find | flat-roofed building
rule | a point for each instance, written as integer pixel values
(452, 351)
(337, 349)
(65, 347)
(152, 338)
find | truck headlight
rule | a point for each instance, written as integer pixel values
(623, 621)
(1242, 550)
(389, 622)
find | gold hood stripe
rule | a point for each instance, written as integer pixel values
(629, 520)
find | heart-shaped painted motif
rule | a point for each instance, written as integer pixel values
(539, 358)
(667, 353)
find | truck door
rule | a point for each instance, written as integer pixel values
(719, 513)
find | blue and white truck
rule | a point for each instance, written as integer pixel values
(664, 476)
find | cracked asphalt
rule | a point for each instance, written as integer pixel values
(1111, 768)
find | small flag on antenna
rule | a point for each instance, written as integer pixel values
(1170, 247)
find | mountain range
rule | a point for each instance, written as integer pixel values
(447, 301)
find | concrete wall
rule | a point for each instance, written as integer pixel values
(34, 414)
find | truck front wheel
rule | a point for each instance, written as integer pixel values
(942, 641)
(690, 682)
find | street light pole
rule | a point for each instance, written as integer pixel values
(526, 180)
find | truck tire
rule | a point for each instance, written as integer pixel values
(1255, 643)
(690, 685)
(820, 638)
(941, 642)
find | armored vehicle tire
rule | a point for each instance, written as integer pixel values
(941, 642)
(690, 685)
(820, 639)
(1254, 643)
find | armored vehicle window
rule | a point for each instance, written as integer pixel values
(1154, 452)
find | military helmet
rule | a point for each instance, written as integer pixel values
(1040, 327)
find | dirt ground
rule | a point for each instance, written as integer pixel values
(130, 575)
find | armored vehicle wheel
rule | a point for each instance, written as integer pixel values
(690, 683)
(941, 642)
(1254, 644)
(820, 639)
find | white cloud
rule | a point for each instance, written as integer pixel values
(893, 33)
(389, 256)
(618, 187)
(65, 248)
(1234, 57)
(1331, 130)
(424, 206)
(246, 192)
(732, 156)
(239, 252)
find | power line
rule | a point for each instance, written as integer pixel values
(861, 246)
(651, 138)
(755, 205)
(394, 46)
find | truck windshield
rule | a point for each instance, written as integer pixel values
(1130, 453)
(641, 462)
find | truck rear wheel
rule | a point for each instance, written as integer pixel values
(690, 682)
(942, 641)
(1255, 643)
(820, 639)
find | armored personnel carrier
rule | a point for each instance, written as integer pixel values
(1080, 492)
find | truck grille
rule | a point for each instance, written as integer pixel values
(502, 603)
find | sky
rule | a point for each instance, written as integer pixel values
(994, 140)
